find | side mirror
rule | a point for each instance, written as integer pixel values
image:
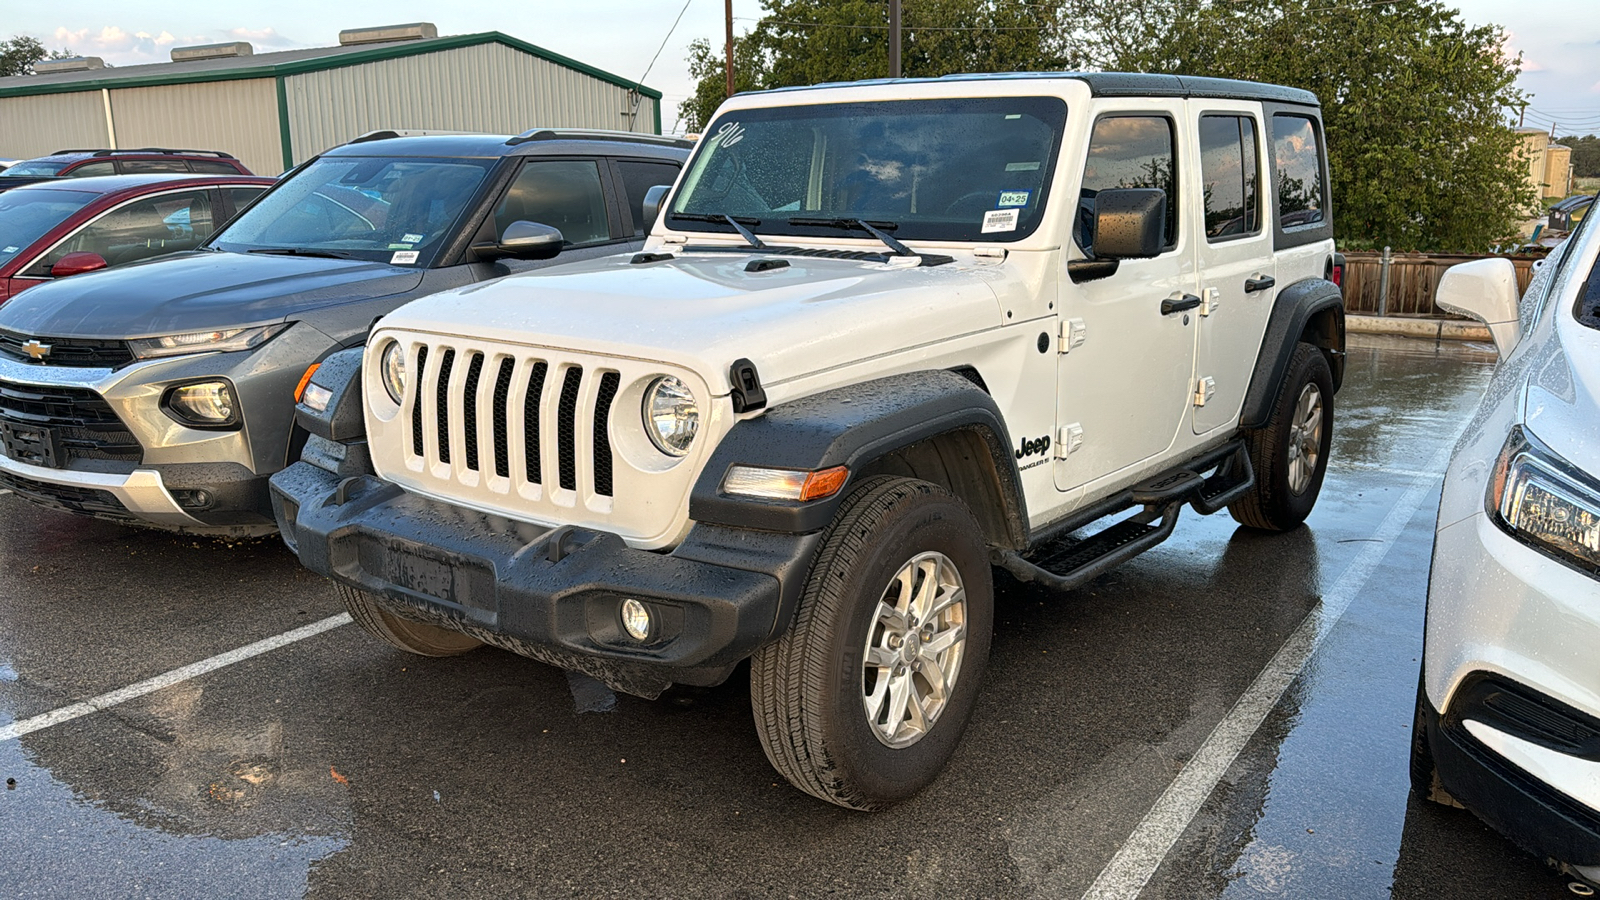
(1486, 290)
(1129, 223)
(523, 240)
(77, 264)
(650, 209)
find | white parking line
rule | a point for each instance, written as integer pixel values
(151, 685)
(1126, 875)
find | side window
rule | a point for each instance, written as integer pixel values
(637, 179)
(139, 230)
(1229, 174)
(243, 196)
(565, 194)
(89, 170)
(142, 166)
(212, 167)
(1128, 152)
(1297, 157)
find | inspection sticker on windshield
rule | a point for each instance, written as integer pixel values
(10, 250)
(1022, 167)
(412, 238)
(1000, 220)
(1013, 198)
(403, 258)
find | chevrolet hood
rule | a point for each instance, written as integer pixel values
(705, 310)
(197, 291)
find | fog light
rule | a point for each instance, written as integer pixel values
(636, 619)
(209, 404)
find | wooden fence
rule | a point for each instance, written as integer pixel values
(1413, 280)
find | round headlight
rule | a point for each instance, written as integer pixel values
(392, 368)
(670, 415)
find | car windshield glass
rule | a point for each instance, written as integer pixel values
(36, 167)
(400, 211)
(973, 169)
(26, 214)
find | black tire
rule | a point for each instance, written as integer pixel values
(1274, 504)
(1424, 772)
(412, 637)
(806, 688)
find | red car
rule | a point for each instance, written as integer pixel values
(58, 228)
(143, 161)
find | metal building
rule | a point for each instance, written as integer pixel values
(273, 110)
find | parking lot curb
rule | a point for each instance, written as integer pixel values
(1432, 329)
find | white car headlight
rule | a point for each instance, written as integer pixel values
(671, 416)
(203, 341)
(392, 370)
(1540, 499)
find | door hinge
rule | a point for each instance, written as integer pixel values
(1068, 439)
(1073, 331)
(1204, 390)
(1210, 299)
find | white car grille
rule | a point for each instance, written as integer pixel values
(532, 434)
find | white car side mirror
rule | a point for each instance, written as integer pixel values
(1486, 290)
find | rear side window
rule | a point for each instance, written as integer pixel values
(637, 180)
(1230, 172)
(89, 170)
(564, 194)
(1297, 156)
(1128, 152)
(242, 196)
(212, 167)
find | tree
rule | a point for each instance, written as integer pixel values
(1413, 100)
(813, 41)
(18, 55)
(1585, 155)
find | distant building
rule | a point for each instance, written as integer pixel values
(273, 110)
(1549, 164)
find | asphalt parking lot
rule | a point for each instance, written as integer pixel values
(1226, 716)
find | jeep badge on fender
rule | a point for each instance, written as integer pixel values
(580, 464)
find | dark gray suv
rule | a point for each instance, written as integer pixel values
(162, 393)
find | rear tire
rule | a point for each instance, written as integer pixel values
(1290, 452)
(863, 700)
(412, 637)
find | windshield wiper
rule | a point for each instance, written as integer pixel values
(738, 225)
(862, 225)
(303, 251)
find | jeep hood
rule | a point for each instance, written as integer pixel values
(705, 310)
(197, 291)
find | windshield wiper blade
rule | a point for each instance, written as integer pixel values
(862, 225)
(302, 251)
(737, 223)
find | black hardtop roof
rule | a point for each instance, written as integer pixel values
(1117, 84)
(540, 142)
(110, 184)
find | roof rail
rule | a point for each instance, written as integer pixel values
(589, 134)
(164, 151)
(384, 134)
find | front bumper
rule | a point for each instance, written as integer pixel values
(550, 594)
(1505, 621)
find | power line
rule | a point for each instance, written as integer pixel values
(886, 27)
(638, 95)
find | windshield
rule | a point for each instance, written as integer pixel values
(26, 214)
(939, 170)
(398, 211)
(37, 167)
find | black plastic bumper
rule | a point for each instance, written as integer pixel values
(553, 595)
(1532, 815)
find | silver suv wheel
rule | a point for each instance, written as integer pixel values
(914, 648)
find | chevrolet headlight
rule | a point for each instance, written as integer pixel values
(392, 370)
(1544, 502)
(671, 416)
(204, 341)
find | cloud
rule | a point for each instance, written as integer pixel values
(124, 48)
(263, 37)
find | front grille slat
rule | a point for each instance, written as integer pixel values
(66, 352)
(82, 422)
(441, 404)
(416, 403)
(602, 432)
(530, 422)
(567, 428)
(469, 410)
(501, 410)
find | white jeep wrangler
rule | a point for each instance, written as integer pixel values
(884, 336)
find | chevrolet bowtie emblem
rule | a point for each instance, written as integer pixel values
(35, 349)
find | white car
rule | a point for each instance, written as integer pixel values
(1508, 705)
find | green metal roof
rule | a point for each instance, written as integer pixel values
(284, 63)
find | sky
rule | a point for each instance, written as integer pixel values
(1559, 39)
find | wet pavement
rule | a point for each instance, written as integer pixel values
(335, 767)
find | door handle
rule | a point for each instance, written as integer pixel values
(1170, 306)
(1265, 282)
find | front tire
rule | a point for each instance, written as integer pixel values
(412, 637)
(864, 698)
(1290, 452)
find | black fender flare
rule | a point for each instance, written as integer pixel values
(1311, 309)
(864, 426)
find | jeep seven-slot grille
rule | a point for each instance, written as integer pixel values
(79, 421)
(474, 423)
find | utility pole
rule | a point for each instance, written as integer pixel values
(729, 8)
(894, 38)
